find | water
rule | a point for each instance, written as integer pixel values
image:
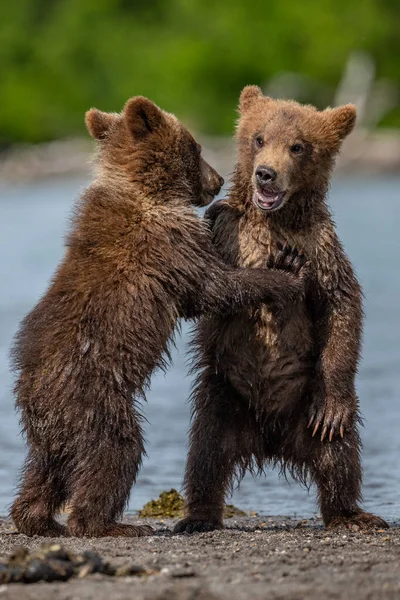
(32, 225)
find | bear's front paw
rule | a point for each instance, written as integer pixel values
(193, 525)
(331, 418)
(288, 259)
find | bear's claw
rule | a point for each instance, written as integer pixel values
(327, 420)
(287, 259)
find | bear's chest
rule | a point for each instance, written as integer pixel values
(257, 240)
(254, 242)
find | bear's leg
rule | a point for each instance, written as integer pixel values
(335, 467)
(220, 443)
(41, 495)
(101, 484)
(338, 476)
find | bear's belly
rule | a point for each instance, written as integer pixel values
(267, 360)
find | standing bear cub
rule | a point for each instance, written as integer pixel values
(138, 258)
(277, 386)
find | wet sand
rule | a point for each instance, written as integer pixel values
(254, 557)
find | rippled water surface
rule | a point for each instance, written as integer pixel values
(33, 221)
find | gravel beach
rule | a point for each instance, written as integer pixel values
(254, 557)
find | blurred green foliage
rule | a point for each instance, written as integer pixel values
(192, 57)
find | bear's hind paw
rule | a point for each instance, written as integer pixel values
(193, 525)
(362, 521)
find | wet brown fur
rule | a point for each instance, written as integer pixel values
(137, 259)
(278, 386)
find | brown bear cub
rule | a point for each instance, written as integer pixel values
(138, 258)
(277, 386)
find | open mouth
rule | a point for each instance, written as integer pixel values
(268, 198)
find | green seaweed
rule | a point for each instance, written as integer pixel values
(168, 504)
(231, 511)
(171, 505)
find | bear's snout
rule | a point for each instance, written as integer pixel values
(217, 185)
(265, 175)
(212, 182)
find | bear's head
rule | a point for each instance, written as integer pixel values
(152, 150)
(287, 150)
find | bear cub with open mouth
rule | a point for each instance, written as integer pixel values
(277, 386)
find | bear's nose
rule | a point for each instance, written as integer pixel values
(265, 175)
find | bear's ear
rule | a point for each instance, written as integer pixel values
(341, 119)
(248, 95)
(143, 117)
(98, 122)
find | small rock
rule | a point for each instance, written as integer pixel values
(131, 570)
(183, 572)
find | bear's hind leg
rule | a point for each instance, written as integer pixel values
(41, 495)
(220, 441)
(336, 469)
(338, 476)
(100, 488)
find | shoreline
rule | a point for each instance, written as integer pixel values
(373, 152)
(253, 557)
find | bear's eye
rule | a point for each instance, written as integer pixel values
(259, 141)
(297, 148)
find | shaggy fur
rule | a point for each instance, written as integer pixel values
(138, 258)
(278, 386)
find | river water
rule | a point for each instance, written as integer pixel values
(33, 221)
